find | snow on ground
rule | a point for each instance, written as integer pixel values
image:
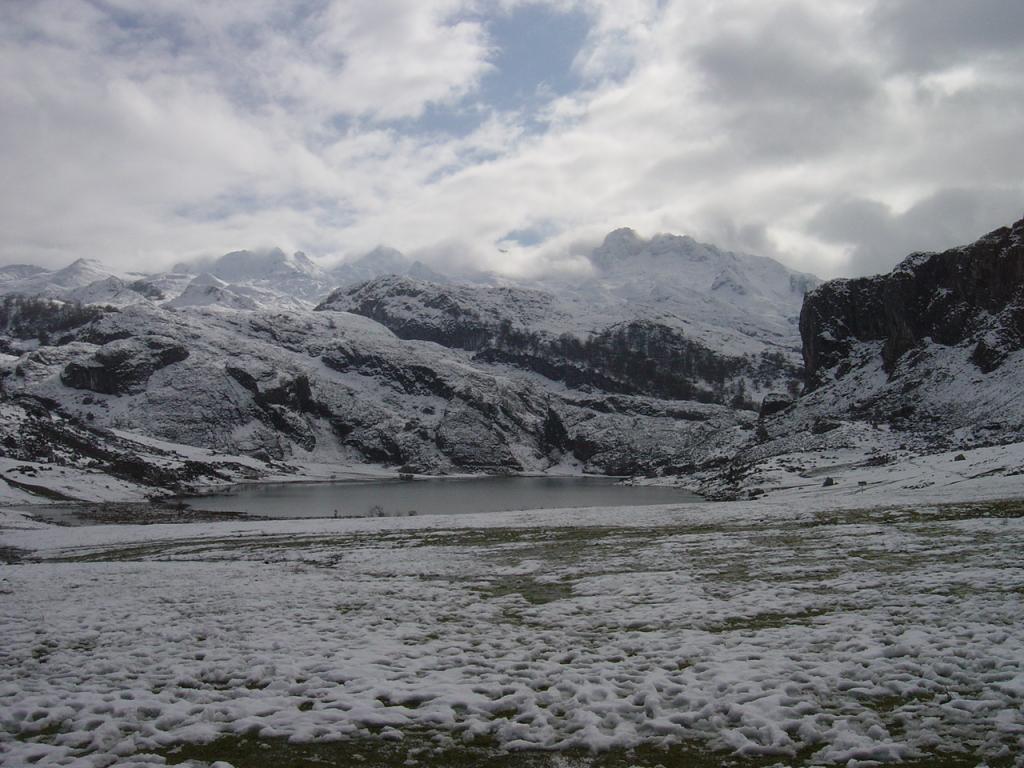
(872, 475)
(62, 481)
(843, 626)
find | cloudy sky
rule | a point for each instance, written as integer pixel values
(511, 134)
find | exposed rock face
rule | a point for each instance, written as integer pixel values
(38, 430)
(773, 403)
(336, 387)
(463, 316)
(474, 441)
(929, 357)
(650, 363)
(971, 294)
(123, 365)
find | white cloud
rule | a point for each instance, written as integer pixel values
(148, 133)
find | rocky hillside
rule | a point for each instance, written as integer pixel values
(539, 332)
(935, 348)
(969, 296)
(333, 387)
(48, 453)
(926, 359)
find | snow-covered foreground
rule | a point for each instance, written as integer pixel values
(808, 630)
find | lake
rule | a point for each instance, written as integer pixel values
(433, 497)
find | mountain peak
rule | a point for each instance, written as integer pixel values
(83, 265)
(383, 257)
(617, 244)
(624, 244)
(208, 279)
(382, 260)
(78, 273)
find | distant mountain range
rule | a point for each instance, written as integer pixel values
(667, 357)
(665, 270)
(238, 280)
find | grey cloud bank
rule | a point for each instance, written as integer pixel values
(834, 137)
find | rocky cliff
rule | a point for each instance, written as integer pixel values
(969, 295)
(925, 361)
(929, 356)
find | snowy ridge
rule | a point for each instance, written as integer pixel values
(256, 279)
(730, 320)
(79, 274)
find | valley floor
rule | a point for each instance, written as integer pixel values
(845, 626)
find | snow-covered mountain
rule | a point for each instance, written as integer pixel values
(270, 272)
(111, 291)
(207, 290)
(332, 386)
(719, 290)
(655, 363)
(427, 375)
(19, 272)
(666, 317)
(32, 281)
(249, 279)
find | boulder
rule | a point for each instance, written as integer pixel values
(774, 402)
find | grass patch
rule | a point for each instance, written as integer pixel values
(418, 751)
(533, 591)
(11, 555)
(421, 752)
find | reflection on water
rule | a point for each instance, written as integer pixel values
(434, 497)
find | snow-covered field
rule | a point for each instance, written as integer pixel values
(850, 625)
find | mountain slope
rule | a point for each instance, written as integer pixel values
(923, 361)
(972, 295)
(757, 296)
(666, 317)
(650, 365)
(338, 388)
(423, 375)
(934, 346)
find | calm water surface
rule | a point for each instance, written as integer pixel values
(434, 497)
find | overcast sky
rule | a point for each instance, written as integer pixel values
(836, 136)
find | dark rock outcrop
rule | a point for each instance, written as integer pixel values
(773, 403)
(410, 379)
(124, 365)
(973, 294)
(473, 441)
(45, 433)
